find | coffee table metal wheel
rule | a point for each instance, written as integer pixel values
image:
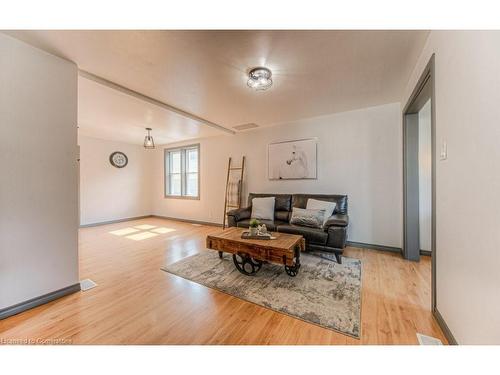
(246, 264)
(293, 271)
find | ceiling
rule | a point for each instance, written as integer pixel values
(110, 114)
(204, 72)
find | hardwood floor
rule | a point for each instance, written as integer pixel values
(137, 303)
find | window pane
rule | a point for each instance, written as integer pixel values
(175, 184)
(192, 184)
(192, 160)
(181, 172)
(175, 162)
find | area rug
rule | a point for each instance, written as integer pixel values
(324, 292)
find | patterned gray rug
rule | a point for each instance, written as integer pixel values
(324, 292)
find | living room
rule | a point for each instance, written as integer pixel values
(261, 187)
(354, 153)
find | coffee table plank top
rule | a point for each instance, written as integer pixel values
(283, 241)
(284, 249)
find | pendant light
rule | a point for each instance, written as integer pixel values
(149, 143)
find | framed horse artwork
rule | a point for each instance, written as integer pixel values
(292, 160)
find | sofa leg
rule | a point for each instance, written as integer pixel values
(339, 258)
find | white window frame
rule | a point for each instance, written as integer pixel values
(166, 168)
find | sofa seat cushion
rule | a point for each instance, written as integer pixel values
(270, 224)
(312, 235)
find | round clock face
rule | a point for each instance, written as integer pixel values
(118, 159)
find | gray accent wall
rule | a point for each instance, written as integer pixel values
(411, 248)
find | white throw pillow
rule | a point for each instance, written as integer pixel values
(328, 207)
(263, 208)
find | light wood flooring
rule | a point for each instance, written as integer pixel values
(137, 303)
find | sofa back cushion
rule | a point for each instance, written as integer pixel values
(282, 215)
(282, 204)
(300, 201)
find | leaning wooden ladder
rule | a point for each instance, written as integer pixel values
(231, 204)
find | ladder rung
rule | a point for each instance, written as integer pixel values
(234, 169)
(232, 206)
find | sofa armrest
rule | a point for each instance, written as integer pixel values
(238, 214)
(337, 220)
(337, 237)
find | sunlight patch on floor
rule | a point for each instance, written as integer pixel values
(142, 232)
(124, 231)
(145, 226)
(141, 236)
(162, 230)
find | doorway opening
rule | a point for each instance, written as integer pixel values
(419, 173)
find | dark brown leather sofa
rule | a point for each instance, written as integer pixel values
(331, 238)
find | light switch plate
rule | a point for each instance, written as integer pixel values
(444, 151)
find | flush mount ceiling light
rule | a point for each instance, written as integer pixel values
(259, 78)
(149, 143)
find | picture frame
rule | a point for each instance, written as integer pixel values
(293, 160)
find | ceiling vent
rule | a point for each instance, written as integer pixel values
(245, 126)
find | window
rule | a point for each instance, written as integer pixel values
(182, 172)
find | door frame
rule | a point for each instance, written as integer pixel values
(415, 101)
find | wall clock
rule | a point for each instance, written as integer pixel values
(118, 159)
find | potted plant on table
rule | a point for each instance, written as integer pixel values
(254, 227)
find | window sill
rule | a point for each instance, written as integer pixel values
(182, 197)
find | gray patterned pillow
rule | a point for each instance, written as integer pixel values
(307, 218)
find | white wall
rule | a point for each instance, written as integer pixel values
(425, 176)
(468, 182)
(39, 173)
(108, 193)
(359, 154)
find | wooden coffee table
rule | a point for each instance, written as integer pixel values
(249, 255)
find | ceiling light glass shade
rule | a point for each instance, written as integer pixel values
(149, 143)
(259, 78)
